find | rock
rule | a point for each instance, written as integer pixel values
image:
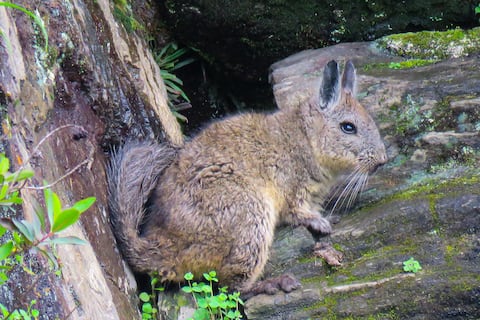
(450, 137)
(244, 37)
(425, 203)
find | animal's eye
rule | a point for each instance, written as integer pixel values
(348, 127)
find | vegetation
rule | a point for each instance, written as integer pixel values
(411, 265)
(407, 64)
(169, 60)
(39, 235)
(38, 21)
(432, 45)
(209, 305)
(122, 11)
(148, 300)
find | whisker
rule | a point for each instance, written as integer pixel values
(344, 193)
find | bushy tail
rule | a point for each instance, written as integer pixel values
(132, 175)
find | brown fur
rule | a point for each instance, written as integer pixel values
(215, 203)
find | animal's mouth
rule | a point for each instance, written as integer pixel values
(374, 168)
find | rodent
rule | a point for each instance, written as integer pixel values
(214, 203)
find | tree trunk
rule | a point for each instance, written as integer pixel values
(95, 84)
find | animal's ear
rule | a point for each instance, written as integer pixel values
(330, 89)
(349, 78)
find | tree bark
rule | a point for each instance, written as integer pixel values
(96, 84)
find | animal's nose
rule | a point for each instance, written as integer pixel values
(381, 160)
(383, 157)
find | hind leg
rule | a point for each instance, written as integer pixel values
(248, 257)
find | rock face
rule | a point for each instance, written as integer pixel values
(245, 37)
(425, 203)
(94, 83)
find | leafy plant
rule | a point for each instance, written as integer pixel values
(169, 60)
(20, 314)
(209, 305)
(148, 300)
(411, 265)
(38, 21)
(122, 11)
(35, 235)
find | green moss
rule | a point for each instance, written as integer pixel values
(433, 44)
(390, 315)
(329, 302)
(407, 64)
(429, 186)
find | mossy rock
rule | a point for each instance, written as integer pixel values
(425, 203)
(433, 45)
(242, 38)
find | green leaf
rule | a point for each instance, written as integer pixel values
(153, 281)
(4, 310)
(84, 204)
(202, 303)
(188, 276)
(411, 265)
(201, 314)
(39, 214)
(206, 289)
(20, 175)
(35, 313)
(233, 314)
(56, 206)
(65, 219)
(3, 191)
(33, 16)
(6, 250)
(477, 9)
(187, 289)
(213, 303)
(2, 230)
(25, 228)
(183, 63)
(4, 164)
(145, 297)
(48, 195)
(68, 240)
(25, 315)
(147, 307)
(12, 199)
(197, 289)
(3, 277)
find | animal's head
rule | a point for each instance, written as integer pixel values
(344, 137)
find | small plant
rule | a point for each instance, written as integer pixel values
(210, 306)
(477, 10)
(168, 59)
(38, 21)
(411, 265)
(31, 236)
(122, 11)
(20, 314)
(148, 300)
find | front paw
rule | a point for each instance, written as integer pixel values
(319, 226)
